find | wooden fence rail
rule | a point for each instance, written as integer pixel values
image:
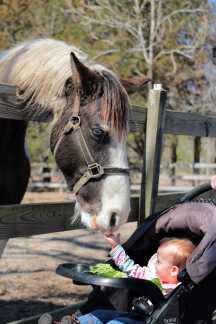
(179, 123)
(187, 172)
(40, 218)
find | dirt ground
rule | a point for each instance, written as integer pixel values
(28, 282)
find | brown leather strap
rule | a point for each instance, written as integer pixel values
(94, 170)
(90, 174)
(115, 171)
(81, 182)
(73, 123)
(84, 147)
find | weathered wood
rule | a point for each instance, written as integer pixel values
(200, 165)
(154, 133)
(178, 123)
(2, 246)
(8, 91)
(163, 201)
(137, 119)
(193, 124)
(35, 219)
(10, 108)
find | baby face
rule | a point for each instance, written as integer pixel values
(165, 269)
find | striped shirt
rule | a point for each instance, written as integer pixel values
(124, 263)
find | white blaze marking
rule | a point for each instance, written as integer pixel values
(115, 193)
(115, 196)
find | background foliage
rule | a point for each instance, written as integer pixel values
(168, 41)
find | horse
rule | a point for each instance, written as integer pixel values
(89, 108)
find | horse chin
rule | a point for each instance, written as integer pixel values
(107, 218)
(99, 223)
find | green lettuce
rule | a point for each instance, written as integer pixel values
(157, 282)
(106, 270)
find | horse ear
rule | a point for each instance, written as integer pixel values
(81, 74)
(134, 84)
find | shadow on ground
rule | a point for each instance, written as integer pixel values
(22, 309)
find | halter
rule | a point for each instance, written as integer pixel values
(94, 170)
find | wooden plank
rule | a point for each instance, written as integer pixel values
(10, 108)
(154, 134)
(178, 123)
(7, 89)
(2, 246)
(194, 177)
(200, 165)
(137, 119)
(35, 219)
(50, 185)
(162, 202)
(193, 124)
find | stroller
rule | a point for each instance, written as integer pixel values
(191, 302)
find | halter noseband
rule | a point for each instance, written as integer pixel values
(94, 170)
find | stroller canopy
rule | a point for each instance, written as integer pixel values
(197, 220)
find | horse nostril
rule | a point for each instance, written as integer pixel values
(113, 219)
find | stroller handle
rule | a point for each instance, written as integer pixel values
(205, 187)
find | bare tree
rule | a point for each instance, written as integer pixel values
(156, 31)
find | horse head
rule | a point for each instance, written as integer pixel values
(89, 145)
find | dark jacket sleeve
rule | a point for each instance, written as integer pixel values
(200, 219)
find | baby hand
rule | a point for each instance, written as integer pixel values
(213, 182)
(113, 240)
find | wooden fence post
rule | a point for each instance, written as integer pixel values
(153, 148)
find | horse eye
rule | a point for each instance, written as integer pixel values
(98, 132)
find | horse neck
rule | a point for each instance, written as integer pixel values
(13, 136)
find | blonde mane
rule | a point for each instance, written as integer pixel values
(40, 69)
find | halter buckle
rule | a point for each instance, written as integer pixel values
(95, 170)
(73, 124)
(75, 120)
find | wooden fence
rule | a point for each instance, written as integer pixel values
(153, 122)
(188, 174)
(46, 177)
(32, 219)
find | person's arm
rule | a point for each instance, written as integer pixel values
(123, 261)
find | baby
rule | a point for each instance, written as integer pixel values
(166, 264)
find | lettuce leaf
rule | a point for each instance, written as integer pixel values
(157, 282)
(106, 270)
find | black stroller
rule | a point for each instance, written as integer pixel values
(194, 300)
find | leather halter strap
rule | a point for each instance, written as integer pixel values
(94, 170)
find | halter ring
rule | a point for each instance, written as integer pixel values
(95, 170)
(73, 124)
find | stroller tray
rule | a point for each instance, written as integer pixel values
(80, 274)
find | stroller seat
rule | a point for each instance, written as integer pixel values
(191, 302)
